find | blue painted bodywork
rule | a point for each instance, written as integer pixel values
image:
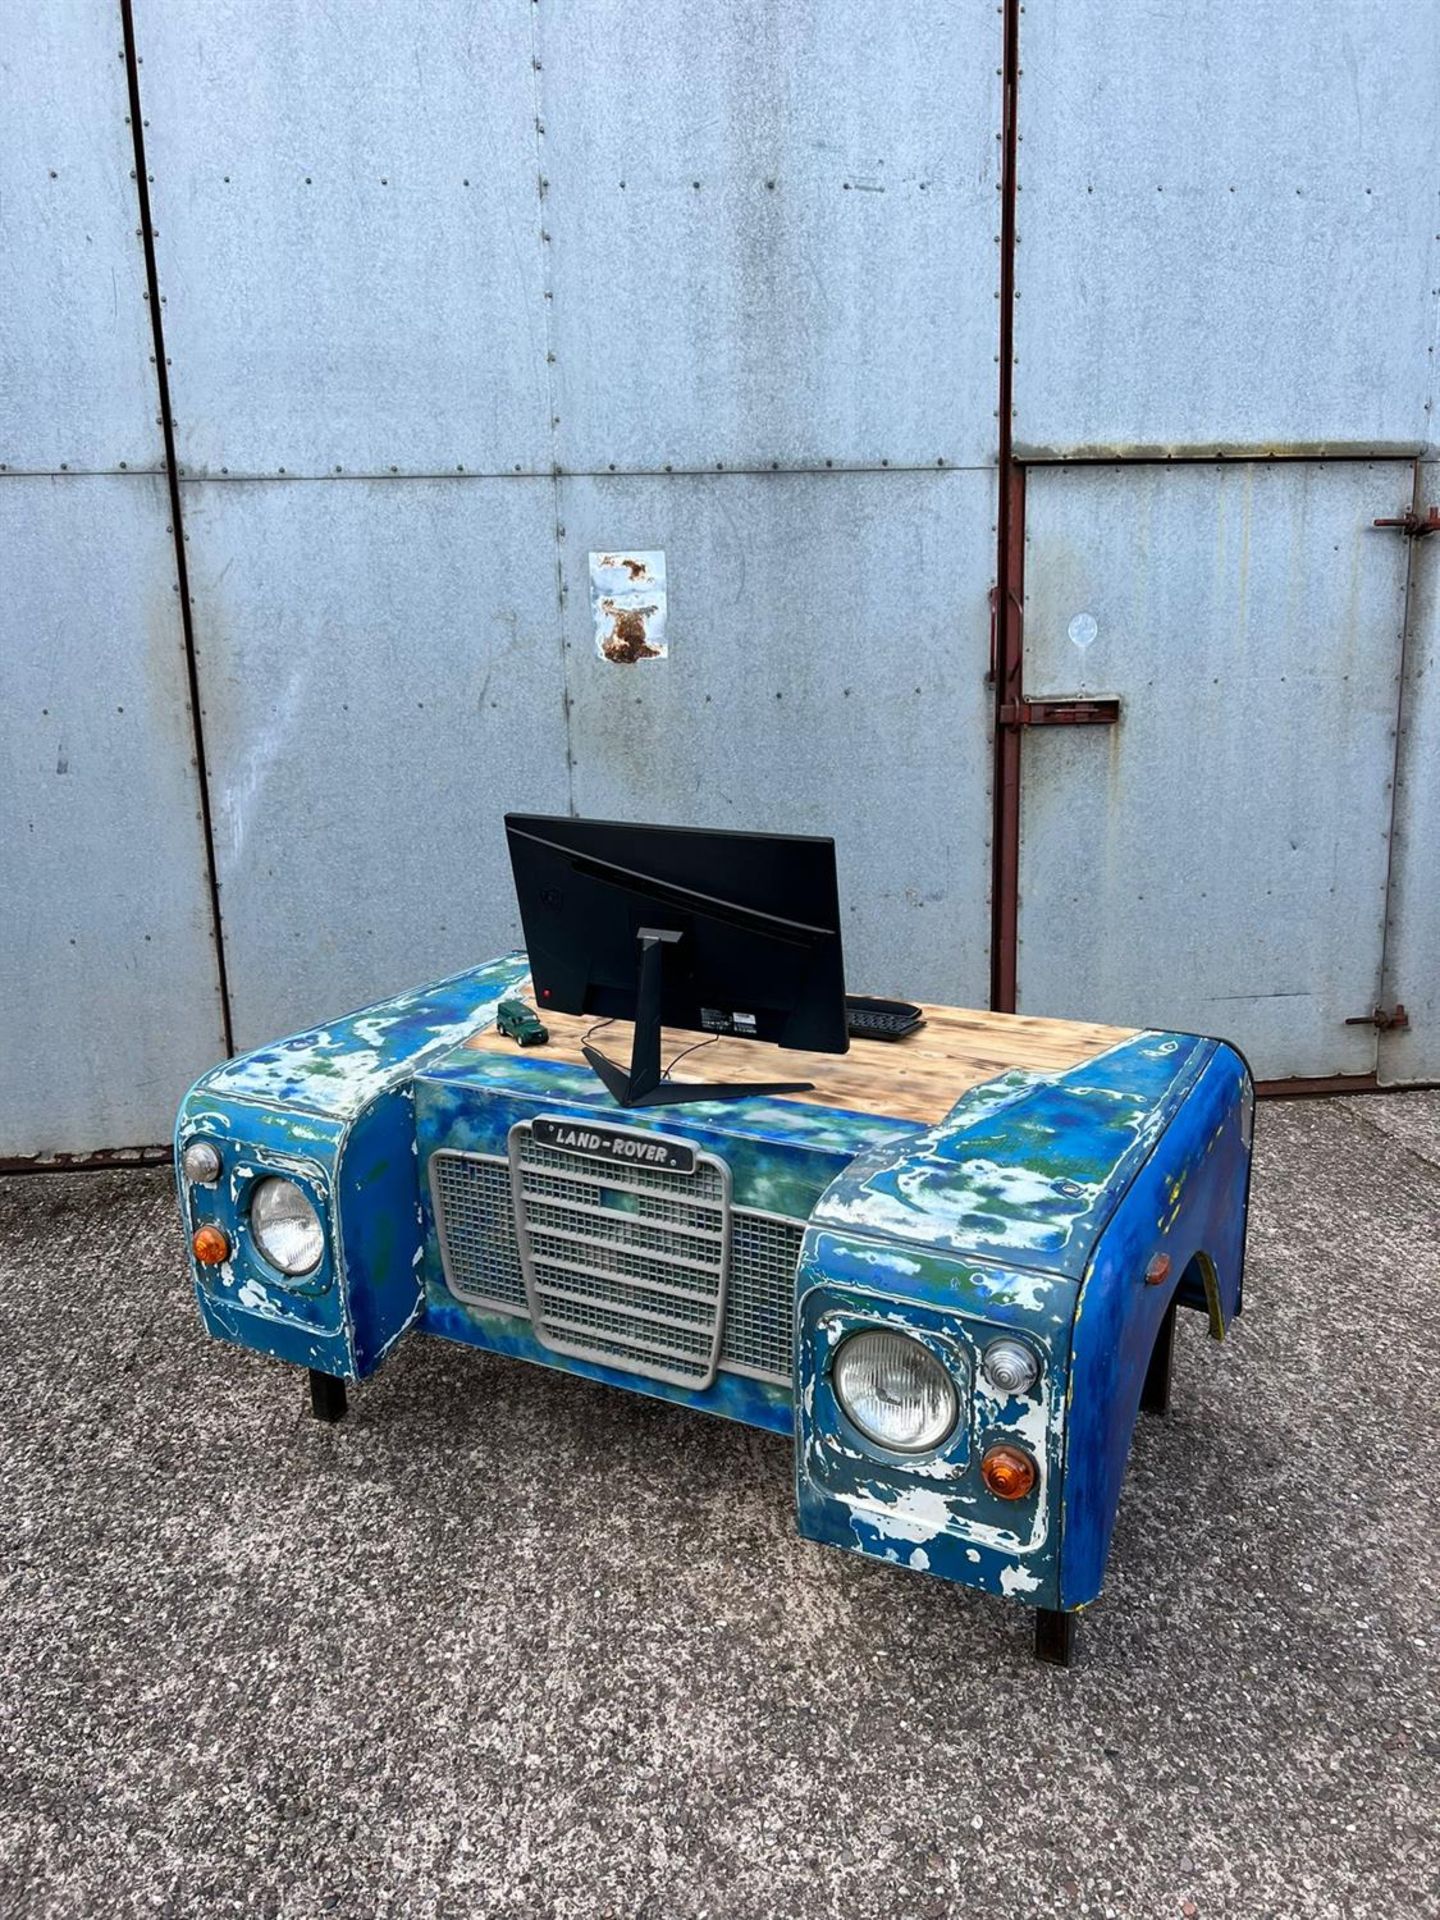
(333, 1107)
(1035, 1209)
(1032, 1211)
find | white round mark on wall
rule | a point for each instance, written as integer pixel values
(1083, 629)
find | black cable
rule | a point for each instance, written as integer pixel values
(684, 1050)
(694, 1048)
(599, 1027)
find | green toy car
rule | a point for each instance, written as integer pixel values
(521, 1024)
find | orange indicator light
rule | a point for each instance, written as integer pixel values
(211, 1246)
(1008, 1472)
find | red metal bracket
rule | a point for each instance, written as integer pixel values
(1412, 524)
(1102, 711)
(1384, 1019)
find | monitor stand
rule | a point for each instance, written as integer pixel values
(643, 1086)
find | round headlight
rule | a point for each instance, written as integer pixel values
(200, 1163)
(896, 1391)
(286, 1227)
(1010, 1366)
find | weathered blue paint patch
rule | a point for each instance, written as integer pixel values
(338, 1069)
(1028, 1169)
(244, 1300)
(780, 1160)
(1189, 1204)
(381, 1225)
(753, 1403)
(933, 1513)
(1009, 1297)
(530, 1080)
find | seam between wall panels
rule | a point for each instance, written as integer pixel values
(177, 526)
(552, 419)
(786, 468)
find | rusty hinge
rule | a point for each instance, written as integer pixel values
(1102, 711)
(1385, 1019)
(1412, 524)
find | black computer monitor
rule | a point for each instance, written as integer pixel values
(716, 932)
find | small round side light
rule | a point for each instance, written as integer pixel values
(210, 1246)
(1008, 1472)
(200, 1163)
(1010, 1366)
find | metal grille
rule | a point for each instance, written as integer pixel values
(476, 1222)
(630, 1267)
(624, 1264)
(760, 1304)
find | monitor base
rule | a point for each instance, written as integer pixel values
(677, 1093)
(644, 1085)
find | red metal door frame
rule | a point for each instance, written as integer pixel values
(1009, 597)
(1008, 654)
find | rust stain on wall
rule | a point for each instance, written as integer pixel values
(626, 641)
(628, 602)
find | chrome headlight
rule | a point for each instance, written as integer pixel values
(895, 1391)
(200, 1163)
(286, 1227)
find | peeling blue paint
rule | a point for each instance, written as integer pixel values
(338, 1069)
(1035, 1208)
(753, 1403)
(1026, 1168)
(782, 1154)
(1188, 1202)
(530, 1078)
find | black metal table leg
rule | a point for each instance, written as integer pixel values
(1054, 1636)
(327, 1396)
(1155, 1394)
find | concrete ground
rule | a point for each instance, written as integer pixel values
(506, 1643)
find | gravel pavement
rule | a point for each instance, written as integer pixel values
(507, 1643)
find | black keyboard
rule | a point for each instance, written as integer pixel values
(869, 1019)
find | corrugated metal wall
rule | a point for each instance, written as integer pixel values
(1224, 240)
(1229, 244)
(109, 995)
(438, 336)
(455, 298)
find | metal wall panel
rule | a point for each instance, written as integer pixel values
(109, 1005)
(76, 386)
(1412, 943)
(772, 232)
(827, 647)
(1216, 862)
(1227, 232)
(109, 992)
(348, 234)
(382, 675)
